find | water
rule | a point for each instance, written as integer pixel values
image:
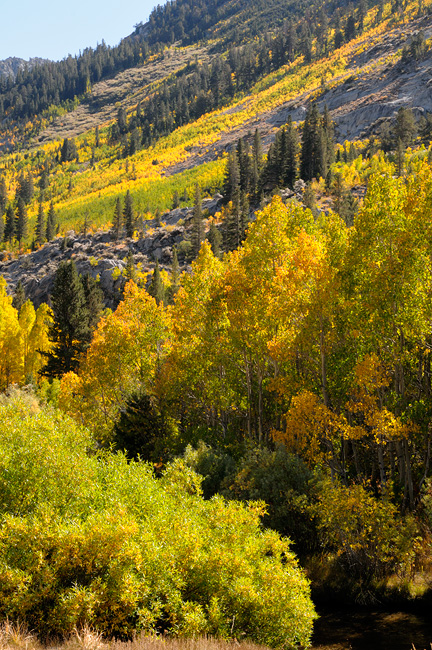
(362, 629)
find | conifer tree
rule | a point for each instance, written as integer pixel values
(244, 215)
(21, 221)
(176, 200)
(215, 239)
(328, 141)
(117, 221)
(197, 234)
(245, 165)
(231, 186)
(93, 298)
(68, 150)
(2, 228)
(172, 290)
(156, 288)
(40, 229)
(19, 297)
(70, 332)
(130, 270)
(290, 163)
(312, 150)
(405, 128)
(128, 215)
(51, 223)
(9, 232)
(3, 195)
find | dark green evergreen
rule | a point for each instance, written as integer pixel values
(51, 223)
(141, 431)
(156, 288)
(21, 228)
(70, 332)
(313, 156)
(118, 220)
(130, 272)
(19, 296)
(3, 195)
(291, 149)
(9, 231)
(40, 229)
(197, 234)
(215, 239)
(128, 215)
(68, 151)
(93, 298)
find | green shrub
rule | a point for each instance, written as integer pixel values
(371, 540)
(92, 539)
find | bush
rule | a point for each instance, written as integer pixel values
(212, 464)
(92, 539)
(282, 481)
(370, 539)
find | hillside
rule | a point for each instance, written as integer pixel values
(215, 324)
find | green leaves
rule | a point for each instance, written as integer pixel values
(93, 539)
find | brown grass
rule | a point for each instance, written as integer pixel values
(17, 637)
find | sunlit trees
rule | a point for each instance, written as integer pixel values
(126, 350)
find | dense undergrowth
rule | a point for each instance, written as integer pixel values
(87, 538)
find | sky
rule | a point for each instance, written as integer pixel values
(52, 29)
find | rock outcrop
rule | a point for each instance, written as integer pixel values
(103, 257)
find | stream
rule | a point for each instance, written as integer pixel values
(372, 629)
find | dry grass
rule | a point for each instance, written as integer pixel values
(17, 637)
(165, 643)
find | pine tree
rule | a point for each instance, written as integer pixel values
(244, 215)
(197, 234)
(231, 185)
(215, 239)
(2, 228)
(405, 128)
(40, 229)
(128, 215)
(51, 223)
(117, 221)
(21, 221)
(9, 232)
(257, 165)
(245, 165)
(175, 200)
(175, 278)
(3, 195)
(130, 270)
(68, 151)
(313, 143)
(93, 298)
(156, 288)
(328, 141)
(19, 297)
(290, 164)
(70, 332)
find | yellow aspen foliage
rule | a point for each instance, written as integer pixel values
(370, 379)
(196, 360)
(127, 348)
(11, 357)
(38, 339)
(312, 430)
(26, 319)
